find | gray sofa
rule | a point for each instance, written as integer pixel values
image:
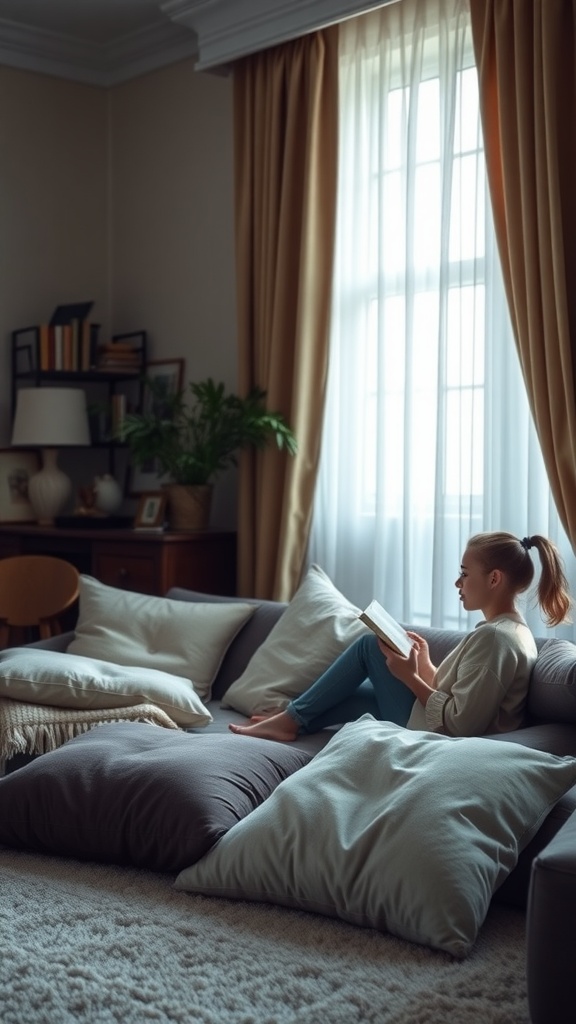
(544, 880)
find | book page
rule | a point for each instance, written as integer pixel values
(386, 627)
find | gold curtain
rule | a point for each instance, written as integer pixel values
(285, 136)
(525, 54)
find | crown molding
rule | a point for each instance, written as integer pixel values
(229, 29)
(148, 50)
(51, 53)
(214, 33)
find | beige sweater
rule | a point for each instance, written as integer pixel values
(482, 685)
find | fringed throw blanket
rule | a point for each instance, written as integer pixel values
(37, 728)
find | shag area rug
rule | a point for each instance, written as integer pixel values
(92, 944)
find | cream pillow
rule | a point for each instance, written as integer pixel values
(183, 638)
(318, 624)
(66, 680)
(407, 832)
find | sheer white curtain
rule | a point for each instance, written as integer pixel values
(427, 435)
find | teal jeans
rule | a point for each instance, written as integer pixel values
(357, 683)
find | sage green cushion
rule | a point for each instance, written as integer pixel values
(407, 832)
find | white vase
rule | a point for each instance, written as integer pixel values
(108, 493)
(49, 489)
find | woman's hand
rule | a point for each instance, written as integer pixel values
(426, 669)
(405, 669)
(416, 671)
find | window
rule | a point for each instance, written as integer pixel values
(427, 436)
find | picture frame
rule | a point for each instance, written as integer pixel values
(146, 479)
(151, 511)
(170, 372)
(17, 465)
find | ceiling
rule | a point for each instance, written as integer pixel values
(96, 41)
(104, 42)
(94, 21)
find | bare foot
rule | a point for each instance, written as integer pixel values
(280, 727)
(263, 715)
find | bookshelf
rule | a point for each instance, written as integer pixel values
(112, 373)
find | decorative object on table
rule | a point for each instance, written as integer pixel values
(16, 468)
(86, 509)
(195, 434)
(50, 418)
(107, 493)
(151, 511)
(87, 498)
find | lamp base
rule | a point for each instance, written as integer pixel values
(49, 489)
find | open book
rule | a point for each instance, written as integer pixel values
(390, 631)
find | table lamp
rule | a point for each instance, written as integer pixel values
(50, 418)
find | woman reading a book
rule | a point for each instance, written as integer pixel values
(481, 687)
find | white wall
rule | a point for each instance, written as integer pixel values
(172, 252)
(53, 205)
(172, 215)
(124, 196)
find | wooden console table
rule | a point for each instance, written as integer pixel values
(149, 563)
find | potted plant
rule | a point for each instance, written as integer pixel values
(194, 435)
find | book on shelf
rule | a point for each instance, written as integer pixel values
(385, 626)
(68, 341)
(120, 355)
(118, 413)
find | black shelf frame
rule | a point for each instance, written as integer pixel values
(25, 363)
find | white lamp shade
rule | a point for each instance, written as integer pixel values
(51, 417)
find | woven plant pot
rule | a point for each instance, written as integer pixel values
(189, 506)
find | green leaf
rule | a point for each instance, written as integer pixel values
(196, 434)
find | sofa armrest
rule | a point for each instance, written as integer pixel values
(54, 643)
(551, 936)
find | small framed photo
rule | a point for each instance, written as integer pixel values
(151, 511)
(168, 378)
(16, 468)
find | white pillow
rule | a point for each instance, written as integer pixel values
(66, 680)
(318, 624)
(184, 638)
(408, 832)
